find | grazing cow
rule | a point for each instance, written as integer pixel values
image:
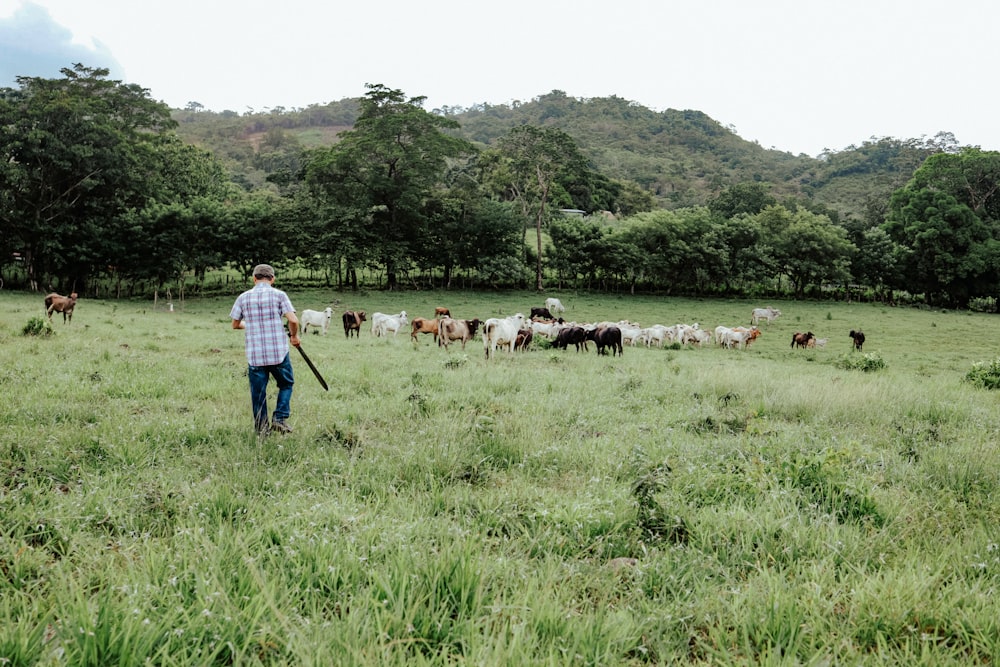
(574, 335)
(739, 337)
(316, 318)
(770, 314)
(541, 314)
(800, 339)
(55, 303)
(352, 322)
(441, 311)
(382, 324)
(603, 337)
(463, 330)
(501, 333)
(554, 305)
(654, 335)
(425, 326)
(858, 338)
(523, 339)
(548, 329)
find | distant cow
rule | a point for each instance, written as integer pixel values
(858, 338)
(463, 330)
(501, 333)
(571, 335)
(441, 311)
(523, 340)
(352, 322)
(382, 323)
(770, 314)
(56, 303)
(607, 337)
(554, 305)
(316, 318)
(425, 326)
(800, 339)
(541, 314)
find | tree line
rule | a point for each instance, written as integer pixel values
(96, 188)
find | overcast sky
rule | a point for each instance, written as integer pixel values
(796, 75)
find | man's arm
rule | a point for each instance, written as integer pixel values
(238, 324)
(293, 328)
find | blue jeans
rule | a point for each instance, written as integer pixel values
(258, 391)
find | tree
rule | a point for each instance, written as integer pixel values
(805, 246)
(750, 198)
(947, 217)
(381, 173)
(77, 156)
(531, 166)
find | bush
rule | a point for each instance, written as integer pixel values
(868, 362)
(985, 374)
(37, 326)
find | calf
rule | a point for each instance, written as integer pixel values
(523, 339)
(316, 318)
(425, 326)
(352, 322)
(463, 330)
(56, 303)
(858, 338)
(441, 311)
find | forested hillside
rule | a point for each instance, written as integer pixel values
(106, 191)
(682, 157)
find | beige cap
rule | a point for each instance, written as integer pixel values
(263, 271)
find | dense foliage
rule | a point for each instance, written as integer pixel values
(99, 189)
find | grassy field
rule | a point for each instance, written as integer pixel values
(705, 506)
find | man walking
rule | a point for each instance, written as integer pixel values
(259, 311)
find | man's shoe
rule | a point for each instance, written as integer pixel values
(263, 429)
(281, 427)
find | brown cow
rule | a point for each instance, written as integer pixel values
(800, 339)
(424, 325)
(352, 322)
(441, 311)
(463, 330)
(56, 303)
(523, 340)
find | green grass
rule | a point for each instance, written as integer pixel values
(773, 505)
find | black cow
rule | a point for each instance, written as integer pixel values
(571, 336)
(859, 339)
(541, 313)
(352, 322)
(607, 337)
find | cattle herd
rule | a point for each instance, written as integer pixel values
(516, 332)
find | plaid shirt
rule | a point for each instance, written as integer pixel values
(261, 310)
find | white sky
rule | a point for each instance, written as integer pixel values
(796, 75)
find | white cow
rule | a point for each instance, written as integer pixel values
(770, 314)
(382, 324)
(554, 305)
(316, 318)
(546, 329)
(654, 335)
(501, 333)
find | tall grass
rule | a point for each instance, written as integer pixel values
(671, 505)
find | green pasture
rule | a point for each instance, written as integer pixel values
(677, 505)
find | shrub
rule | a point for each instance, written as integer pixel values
(37, 326)
(868, 362)
(985, 374)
